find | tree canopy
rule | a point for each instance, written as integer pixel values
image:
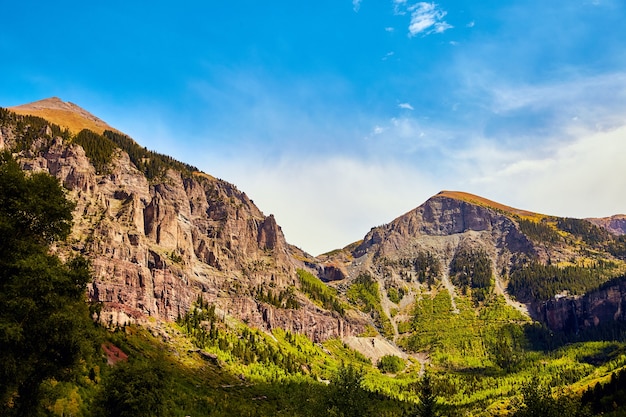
(43, 314)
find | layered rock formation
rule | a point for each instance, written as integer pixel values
(596, 308)
(444, 216)
(157, 244)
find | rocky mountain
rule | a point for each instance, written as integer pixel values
(615, 224)
(571, 314)
(471, 246)
(160, 234)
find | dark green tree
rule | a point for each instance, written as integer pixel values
(347, 397)
(428, 405)
(44, 319)
(391, 364)
(506, 350)
(538, 401)
(137, 388)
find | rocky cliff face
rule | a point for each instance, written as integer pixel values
(416, 252)
(614, 224)
(444, 217)
(572, 314)
(157, 245)
(441, 227)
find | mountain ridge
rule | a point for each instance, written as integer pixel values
(166, 219)
(469, 290)
(157, 244)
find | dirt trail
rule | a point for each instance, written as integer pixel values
(445, 280)
(376, 347)
(522, 308)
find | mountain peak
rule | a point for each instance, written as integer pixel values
(484, 202)
(64, 114)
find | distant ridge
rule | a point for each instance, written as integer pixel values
(65, 114)
(615, 224)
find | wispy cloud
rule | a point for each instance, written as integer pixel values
(399, 7)
(576, 179)
(552, 109)
(408, 138)
(406, 106)
(426, 18)
(356, 5)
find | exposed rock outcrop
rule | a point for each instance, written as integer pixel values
(332, 271)
(615, 224)
(572, 314)
(156, 245)
(444, 216)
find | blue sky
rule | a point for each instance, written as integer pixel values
(337, 116)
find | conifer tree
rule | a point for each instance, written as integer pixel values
(43, 315)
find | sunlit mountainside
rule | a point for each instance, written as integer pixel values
(188, 300)
(66, 115)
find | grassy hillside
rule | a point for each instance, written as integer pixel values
(67, 115)
(479, 365)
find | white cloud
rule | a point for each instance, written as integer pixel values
(408, 138)
(388, 55)
(426, 18)
(356, 194)
(579, 179)
(399, 7)
(406, 106)
(389, 29)
(356, 5)
(471, 24)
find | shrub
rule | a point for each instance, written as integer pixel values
(390, 364)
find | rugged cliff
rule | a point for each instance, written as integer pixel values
(467, 245)
(156, 244)
(158, 241)
(615, 224)
(571, 314)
